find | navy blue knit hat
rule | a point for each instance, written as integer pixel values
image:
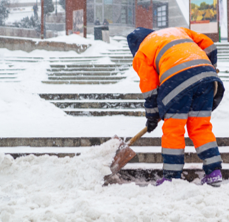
(136, 37)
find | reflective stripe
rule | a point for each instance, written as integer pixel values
(150, 93)
(168, 46)
(183, 66)
(172, 151)
(210, 48)
(199, 113)
(212, 160)
(176, 115)
(173, 167)
(186, 84)
(215, 65)
(206, 146)
(151, 110)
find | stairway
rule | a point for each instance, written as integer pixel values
(10, 72)
(85, 70)
(145, 166)
(85, 73)
(98, 104)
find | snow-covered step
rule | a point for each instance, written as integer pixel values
(100, 104)
(70, 78)
(120, 50)
(56, 142)
(85, 73)
(143, 175)
(107, 112)
(123, 61)
(118, 53)
(89, 66)
(82, 82)
(80, 61)
(22, 60)
(10, 72)
(74, 69)
(92, 96)
(144, 155)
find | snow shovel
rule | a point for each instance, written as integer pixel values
(124, 153)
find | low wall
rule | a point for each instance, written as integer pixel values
(22, 32)
(29, 45)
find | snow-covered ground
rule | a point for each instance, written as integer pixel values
(70, 189)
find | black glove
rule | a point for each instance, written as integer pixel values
(151, 124)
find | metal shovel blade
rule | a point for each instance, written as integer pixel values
(123, 155)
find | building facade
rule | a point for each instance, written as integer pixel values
(124, 15)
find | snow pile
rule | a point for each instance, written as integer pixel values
(70, 189)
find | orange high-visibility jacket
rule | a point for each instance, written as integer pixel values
(171, 61)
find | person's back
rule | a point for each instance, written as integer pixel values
(172, 47)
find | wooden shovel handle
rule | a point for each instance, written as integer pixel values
(136, 137)
(139, 135)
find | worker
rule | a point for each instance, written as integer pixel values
(178, 80)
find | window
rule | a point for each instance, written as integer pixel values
(90, 13)
(115, 11)
(160, 15)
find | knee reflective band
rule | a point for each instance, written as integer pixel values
(206, 146)
(172, 151)
(199, 113)
(176, 115)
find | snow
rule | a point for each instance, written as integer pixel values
(70, 189)
(54, 189)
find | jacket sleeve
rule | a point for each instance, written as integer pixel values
(205, 43)
(149, 82)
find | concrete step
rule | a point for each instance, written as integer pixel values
(88, 69)
(86, 78)
(21, 60)
(88, 141)
(24, 57)
(119, 53)
(89, 66)
(7, 73)
(82, 82)
(123, 61)
(80, 61)
(7, 77)
(100, 105)
(83, 73)
(144, 177)
(11, 70)
(108, 112)
(92, 96)
(139, 158)
(120, 50)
